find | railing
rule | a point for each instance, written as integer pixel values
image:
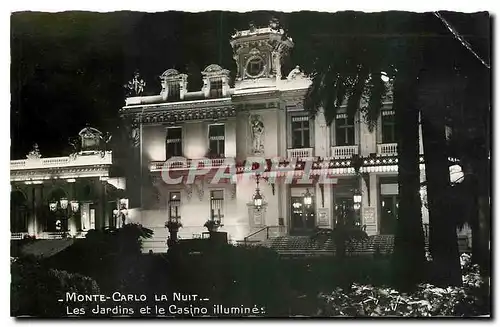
(264, 234)
(18, 235)
(387, 149)
(300, 153)
(344, 152)
(172, 164)
(78, 160)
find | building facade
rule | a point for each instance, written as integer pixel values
(57, 197)
(261, 118)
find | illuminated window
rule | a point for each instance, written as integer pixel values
(174, 204)
(217, 205)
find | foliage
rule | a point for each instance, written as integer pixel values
(35, 291)
(212, 224)
(126, 239)
(173, 225)
(426, 301)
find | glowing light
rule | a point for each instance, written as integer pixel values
(384, 77)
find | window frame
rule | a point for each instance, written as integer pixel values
(220, 141)
(213, 205)
(176, 141)
(305, 142)
(388, 124)
(174, 205)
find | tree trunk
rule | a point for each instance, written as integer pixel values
(409, 251)
(437, 92)
(443, 243)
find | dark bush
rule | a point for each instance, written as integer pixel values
(35, 291)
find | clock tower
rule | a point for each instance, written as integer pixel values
(258, 52)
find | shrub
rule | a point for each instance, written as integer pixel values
(35, 291)
(426, 301)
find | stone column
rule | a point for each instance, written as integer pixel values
(72, 228)
(99, 212)
(38, 209)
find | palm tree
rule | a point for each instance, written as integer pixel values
(353, 72)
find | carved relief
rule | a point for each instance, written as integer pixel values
(257, 129)
(200, 189)
(136, 137)
(189, 191)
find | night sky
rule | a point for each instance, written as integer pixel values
(68, 69)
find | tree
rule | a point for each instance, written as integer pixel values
(351, 69)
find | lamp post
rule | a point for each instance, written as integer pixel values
(307, 199)
(60, 207)
(357, 206)
(122, 211)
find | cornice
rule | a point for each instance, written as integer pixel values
(59, 173)
(186, 114)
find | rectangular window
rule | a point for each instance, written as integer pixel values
(217, 205)
(300, 132)
(216, 139)
(174, 203)
(344, 130)
(174, 142)
(173, 91)
(216, 88)
(388, 126)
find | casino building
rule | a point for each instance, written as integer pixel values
(258, 117)
(262, 116)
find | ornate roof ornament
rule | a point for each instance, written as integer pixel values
(215, 70)
(251, 27)
(90, 139)
(170, 73)
(34, 154)
(135, 87)
(274, 24)
(295, 73)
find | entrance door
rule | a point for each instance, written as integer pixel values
(344, 211)
(303, 219)
(389, 214)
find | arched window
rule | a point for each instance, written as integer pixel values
(18, 212)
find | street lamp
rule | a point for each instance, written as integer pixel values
(307, 198)
(62, 205)
(257, 198)
(357, 205)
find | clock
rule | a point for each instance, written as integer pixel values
(255, 67)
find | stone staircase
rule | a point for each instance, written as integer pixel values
(324, 245)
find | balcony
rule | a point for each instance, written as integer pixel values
(300, 153)
(59, 162)
(182, 164)
(344, 152)
(387, 149)
(18, 235)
